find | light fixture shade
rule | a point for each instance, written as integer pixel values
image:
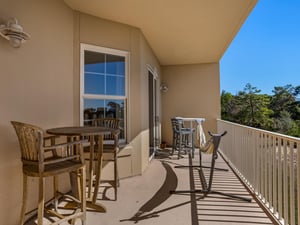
(15, 41)
(164, 87)
(13, 32)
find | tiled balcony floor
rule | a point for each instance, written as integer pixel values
(146, 200)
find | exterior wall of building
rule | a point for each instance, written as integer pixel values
(36, 87)
(148, 60)
(193, 91)
(40, 85)
(104, 33)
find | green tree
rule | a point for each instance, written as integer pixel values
(279, 112)
(227, 106)
(286, 110)
(254, 108)
(283, 123)
(284, 98)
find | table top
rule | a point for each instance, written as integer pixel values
(191, 119)
(81, 130)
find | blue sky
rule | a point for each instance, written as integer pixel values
(266, 51)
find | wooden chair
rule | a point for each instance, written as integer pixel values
(110, 147)
(41, 160)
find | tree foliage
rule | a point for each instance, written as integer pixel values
(279, 112)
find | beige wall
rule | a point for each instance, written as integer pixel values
(194, 91)
(40, 85)
(29, 88)
(147, 59)
(104, 33)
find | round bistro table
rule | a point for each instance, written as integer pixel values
(91, 132)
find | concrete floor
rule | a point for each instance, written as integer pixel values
(146, 199)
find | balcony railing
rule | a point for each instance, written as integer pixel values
(269, 163)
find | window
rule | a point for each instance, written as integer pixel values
(103, 84)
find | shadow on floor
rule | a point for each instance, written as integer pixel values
(158, 198)
(205, 209)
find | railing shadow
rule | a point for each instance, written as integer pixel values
(222, 210)
(204, 209)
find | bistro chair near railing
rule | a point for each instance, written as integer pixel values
(41, 161)
(110, 147)
(183, 138)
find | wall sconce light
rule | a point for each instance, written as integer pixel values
(13, 32)
(164, 87)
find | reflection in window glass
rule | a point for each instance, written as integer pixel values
(115, 85)
(115, 65)
(104, 85)
(95, 68)
(94, 84)
(93, 108)
(94, 62)
(104, 74)
(104, 108)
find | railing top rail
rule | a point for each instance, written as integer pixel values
(290, 138)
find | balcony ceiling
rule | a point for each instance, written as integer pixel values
(179, 32)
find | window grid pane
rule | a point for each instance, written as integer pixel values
(104, 92)
(94, 83)
(104, 108)
(104, 74)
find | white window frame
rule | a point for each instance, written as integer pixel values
(94, 48)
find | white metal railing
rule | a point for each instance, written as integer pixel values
(269, 163)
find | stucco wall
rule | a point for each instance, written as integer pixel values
(40, 85)
(194, 91)
(36, 87)
(148, 59)
(104, 33)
